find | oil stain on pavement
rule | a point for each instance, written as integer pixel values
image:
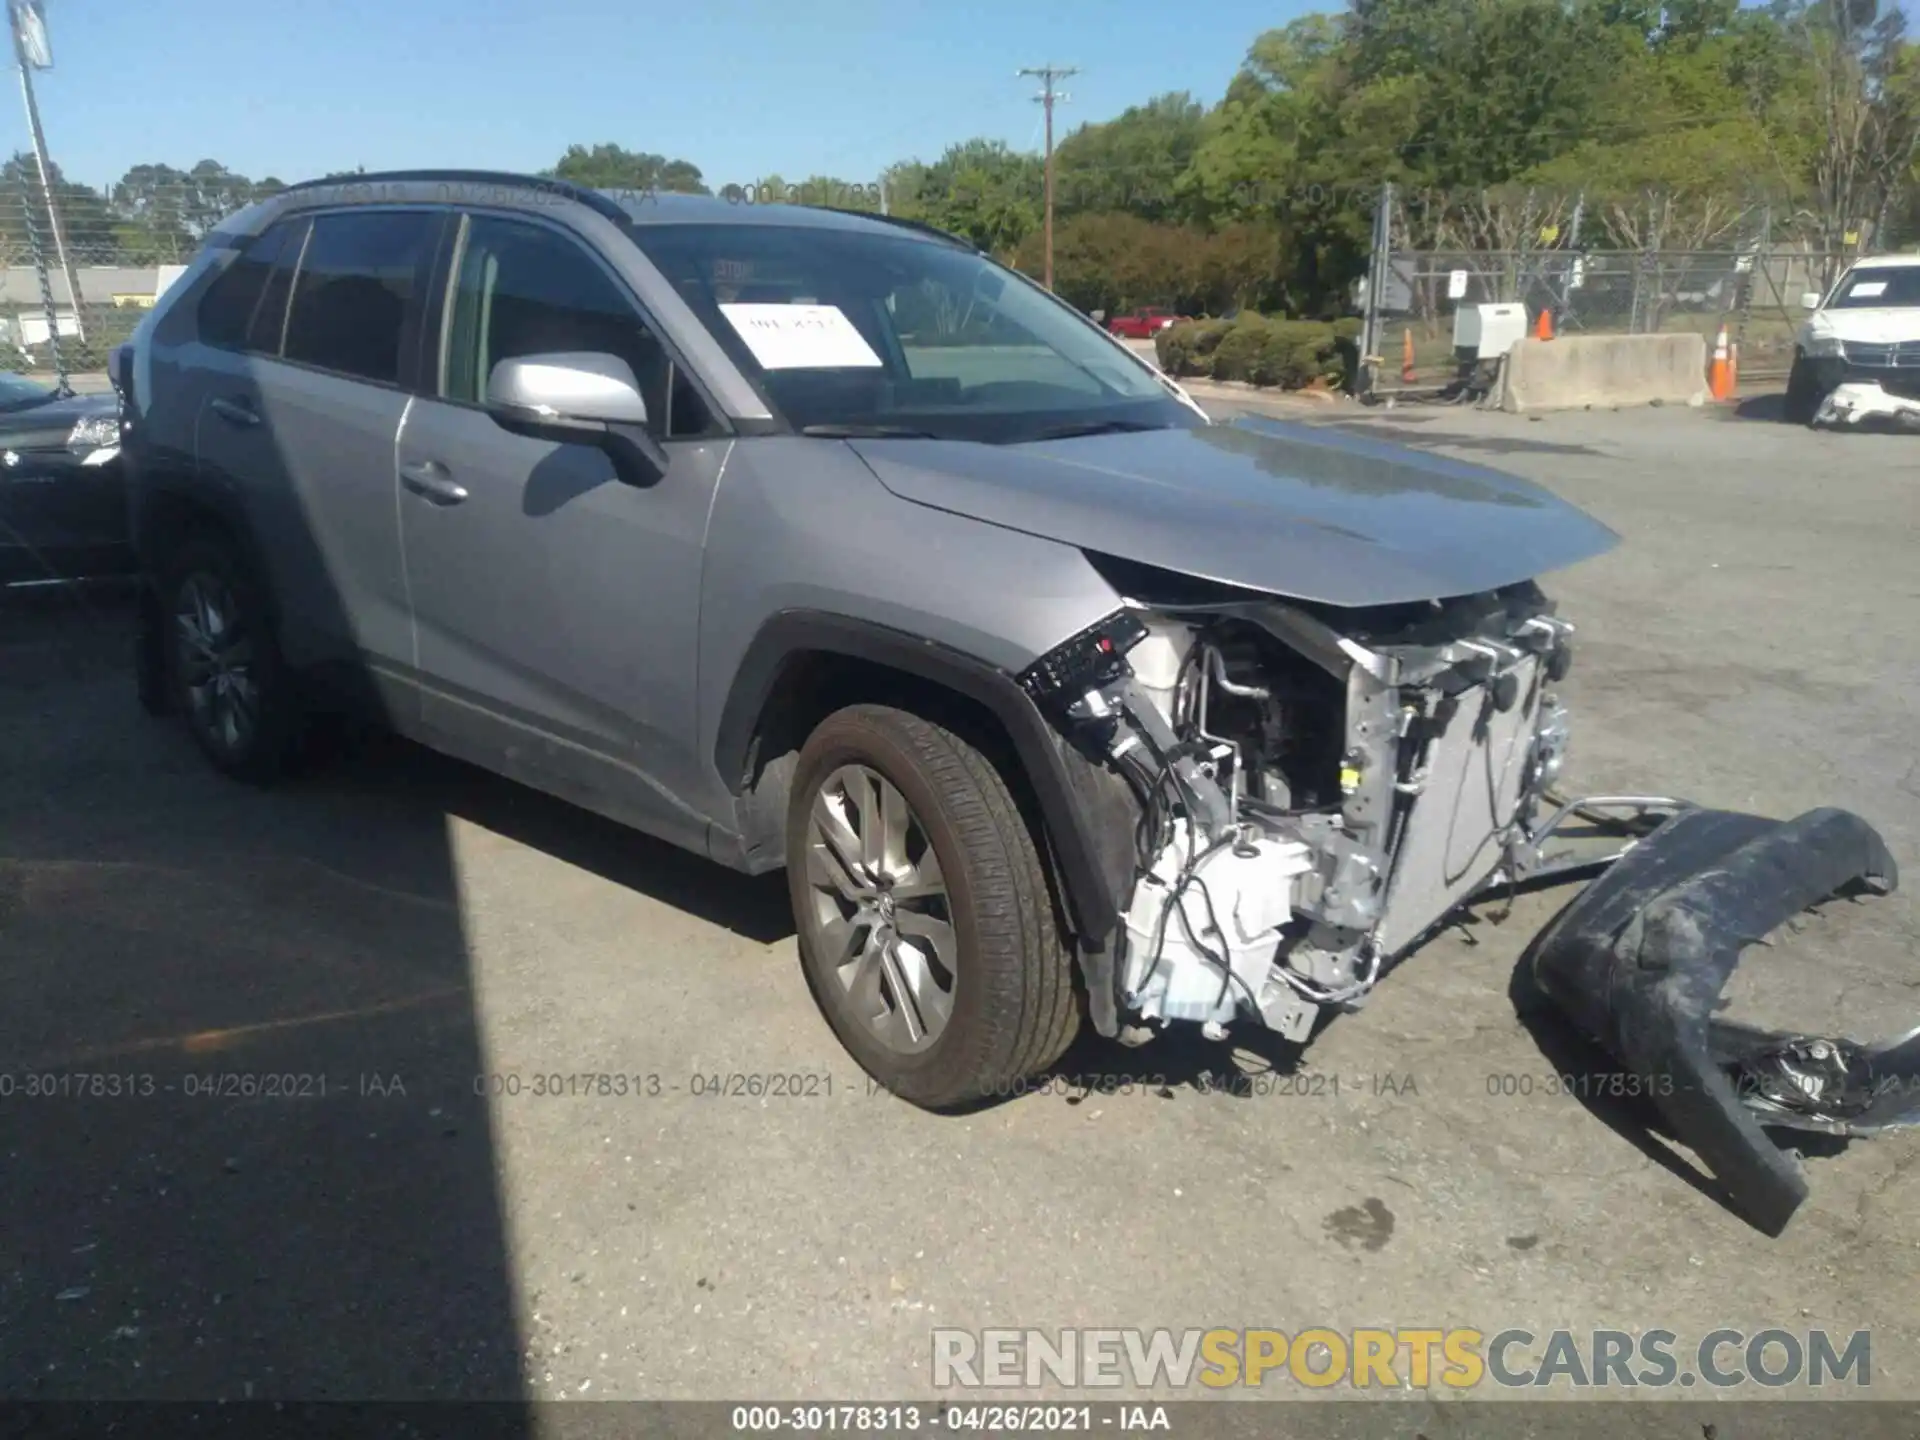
(1367, 1226)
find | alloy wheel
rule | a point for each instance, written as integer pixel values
(880, 900)
(216, 659)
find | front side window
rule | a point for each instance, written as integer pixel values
(844, 328)
(521, 289)
(1874, 286)
(354, 294)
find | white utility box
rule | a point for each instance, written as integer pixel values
(1487, 332)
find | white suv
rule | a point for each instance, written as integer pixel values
(1867, 329)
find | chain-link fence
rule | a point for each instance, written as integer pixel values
(75, 278)
(1751, 282)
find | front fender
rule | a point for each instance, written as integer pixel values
(1079, 805)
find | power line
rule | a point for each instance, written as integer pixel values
(1048, 96)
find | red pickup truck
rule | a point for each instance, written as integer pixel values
(1142, 324)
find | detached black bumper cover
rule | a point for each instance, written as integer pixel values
(1638, 961)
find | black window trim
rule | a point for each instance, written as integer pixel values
(433, 367)
(412, 321)
(293, 283)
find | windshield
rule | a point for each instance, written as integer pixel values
(1875, 286)
(842, 330)
(17, 393)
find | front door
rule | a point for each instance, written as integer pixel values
(555, 605)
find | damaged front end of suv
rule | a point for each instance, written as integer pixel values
(1314, 789)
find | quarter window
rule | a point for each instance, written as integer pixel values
(354, 296)
(227, 311)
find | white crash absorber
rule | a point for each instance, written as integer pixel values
(1170, 976)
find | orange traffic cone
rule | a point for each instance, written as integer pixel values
(1733, 367)
(1406, 357)
(1543, 328)
(1720, 374)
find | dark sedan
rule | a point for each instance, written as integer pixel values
(63, 509)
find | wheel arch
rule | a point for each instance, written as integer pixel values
(804, 664)
(166, 513)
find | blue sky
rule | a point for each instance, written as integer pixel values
(743, 88)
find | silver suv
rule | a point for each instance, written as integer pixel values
(804, 538)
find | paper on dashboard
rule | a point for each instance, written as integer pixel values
(800, 337)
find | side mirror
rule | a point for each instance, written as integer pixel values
(1810, 300)
(578, 397)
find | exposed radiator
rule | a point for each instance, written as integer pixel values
(1451, 844)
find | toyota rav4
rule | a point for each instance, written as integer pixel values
(818, 540)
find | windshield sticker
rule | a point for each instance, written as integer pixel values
(1866, 289)
(801, 337)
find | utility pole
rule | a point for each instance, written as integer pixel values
(30, 52)
(1048, 74)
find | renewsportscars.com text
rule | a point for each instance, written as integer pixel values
(1366, 1359)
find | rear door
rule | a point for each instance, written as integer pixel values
(555, 606)
(306, 429)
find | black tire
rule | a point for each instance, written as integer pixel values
(264, 751)
(1803, 394)
(1014, 1008)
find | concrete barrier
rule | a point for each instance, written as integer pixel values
(1587, 370)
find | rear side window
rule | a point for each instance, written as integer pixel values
(227, 310)
(353, 301)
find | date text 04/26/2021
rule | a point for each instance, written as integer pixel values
(970, 1418)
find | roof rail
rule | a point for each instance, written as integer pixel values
(920, 226)
(590, 198)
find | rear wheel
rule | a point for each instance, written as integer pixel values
(224, 670)
(926, 925)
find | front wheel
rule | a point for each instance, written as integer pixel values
(1804, 393)
(926, 925)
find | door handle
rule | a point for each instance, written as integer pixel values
(432, 481)
(235, 412)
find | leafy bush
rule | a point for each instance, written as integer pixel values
(1241, 353)
(1260, 350)
(1181, 347)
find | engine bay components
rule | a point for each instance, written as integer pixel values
(1205, 925)
(1314, 794)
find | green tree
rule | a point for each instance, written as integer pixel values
(1497, 86)
(150, 203)
(1134, 162)
(613, 167)
(87, 221)
(979, 189)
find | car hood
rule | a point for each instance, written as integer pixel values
(1295, 510)
(1877, 325)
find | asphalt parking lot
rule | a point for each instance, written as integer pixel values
(265, 1170)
